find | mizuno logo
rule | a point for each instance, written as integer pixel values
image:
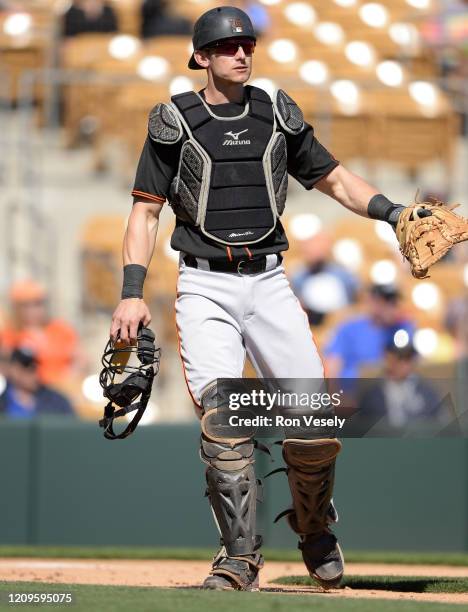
(234, 140)
(235, 135)
(237, 235)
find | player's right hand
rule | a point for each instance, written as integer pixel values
(127, 317)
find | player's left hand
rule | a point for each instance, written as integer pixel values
(426, 231)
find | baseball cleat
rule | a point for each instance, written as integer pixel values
(217, 583)
(323, 558)
(234, 573)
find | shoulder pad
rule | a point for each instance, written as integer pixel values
(288, 113)
(164, 125)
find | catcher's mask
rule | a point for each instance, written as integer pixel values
(138, 383)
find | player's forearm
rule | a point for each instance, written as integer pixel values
(350, 190)
(357, 195)
(140, 238)
(138, 247)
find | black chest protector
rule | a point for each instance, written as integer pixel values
(232, 178)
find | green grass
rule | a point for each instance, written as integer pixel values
(401, 584)
(204, 554)
(88, 598)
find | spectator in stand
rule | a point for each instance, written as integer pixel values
(361, 340)
(402, 397)
(321, 285)
(54, 342)
(24, 396)
(85, 16)
(156, 20)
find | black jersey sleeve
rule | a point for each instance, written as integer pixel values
(156, 169)
(308, 159)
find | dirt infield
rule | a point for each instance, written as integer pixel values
(180, 574)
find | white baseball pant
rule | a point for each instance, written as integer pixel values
(221, 317)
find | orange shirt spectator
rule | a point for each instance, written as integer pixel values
(54, 341)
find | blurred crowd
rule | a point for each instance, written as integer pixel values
(375, 340)
(157, 17)
(444, 26)
(377, 350)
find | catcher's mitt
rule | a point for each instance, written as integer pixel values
(423, 241)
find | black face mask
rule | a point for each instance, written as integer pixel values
(137, 384)
(126, 392)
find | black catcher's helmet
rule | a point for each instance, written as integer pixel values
(217, 24)
(144, 360)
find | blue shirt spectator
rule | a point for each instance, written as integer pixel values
(361, 341)
(24, 396)
(46, 401)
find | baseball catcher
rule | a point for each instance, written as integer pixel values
(221, 157)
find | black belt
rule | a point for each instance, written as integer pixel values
(236, 266)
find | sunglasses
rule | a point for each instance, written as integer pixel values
(231, 47)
